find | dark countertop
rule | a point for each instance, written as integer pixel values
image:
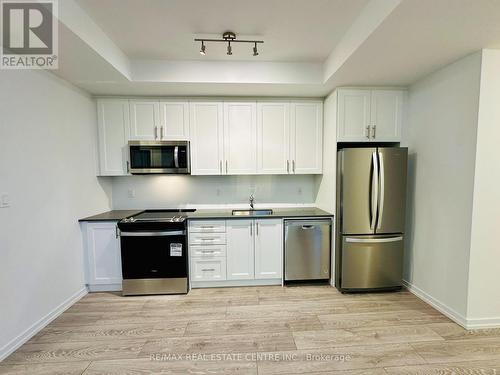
(115, 215)
(277, 213)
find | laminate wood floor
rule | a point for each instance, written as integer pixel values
(256, 330)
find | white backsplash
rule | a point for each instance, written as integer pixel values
(140, 192)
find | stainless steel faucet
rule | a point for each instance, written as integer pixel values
(252, 199)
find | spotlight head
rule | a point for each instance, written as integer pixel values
(255, 52)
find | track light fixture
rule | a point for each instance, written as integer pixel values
(228, 37)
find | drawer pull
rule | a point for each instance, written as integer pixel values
(207, 239)
(207, 226)
(208, 251)
(208, 269)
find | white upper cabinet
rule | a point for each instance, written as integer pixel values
(268, 248)
(240, 138)
(159, 120)
(353, 115)
(113, 128)
(144, 120)
(306, 137)
(174, 120)
(369, 115)
(207, 139)
(273, 137)
(386, 115)
(240, 249)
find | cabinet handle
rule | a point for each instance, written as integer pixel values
(207, 239)
(367, 132)
(156, 132)
(207, 226)
(208, 269)
(208, 251)
(220, 166)
(251, 229)
(288, 166)
(128, 166)
(257, 228)
(161, 132)
(117, 234)
(293, 166)
(226, 166)
(374, 127)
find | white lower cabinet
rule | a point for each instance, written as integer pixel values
(208, 268)
(240, 249)
(103, 256)
(247, 252)
(268, 249)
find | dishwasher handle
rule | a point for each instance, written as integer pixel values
(308, 224)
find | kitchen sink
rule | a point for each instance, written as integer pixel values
(257, 212)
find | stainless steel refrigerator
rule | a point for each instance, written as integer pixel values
(371, 197)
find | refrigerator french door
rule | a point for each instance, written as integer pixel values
(371, 197)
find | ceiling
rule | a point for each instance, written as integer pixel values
(293, 30)
(131, 47)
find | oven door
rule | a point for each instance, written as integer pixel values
(167, 157)
(154, 254)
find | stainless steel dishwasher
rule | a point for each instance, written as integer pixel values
(307, 249)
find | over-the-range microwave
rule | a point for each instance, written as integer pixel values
(159, 157)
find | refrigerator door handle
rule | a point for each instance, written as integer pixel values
(382, 190)
(374, 191)
(374, 240)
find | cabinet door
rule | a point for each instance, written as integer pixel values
(103, 254)
(306, 137)
(113, 128)
(268, 248)
(386, 115)
(353, 115)
(273, 138)
(206, 131)
(240, 249)
(144, 120)
(240, 138)
(174, 120)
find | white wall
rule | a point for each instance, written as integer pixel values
(47, 140)
(181, 191)
(484, 274)
(325, 198)
(443, 109)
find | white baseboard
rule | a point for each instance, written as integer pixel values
(15, 343)
(229, 283)
(483, 323)
(105, 287)
(438, 305)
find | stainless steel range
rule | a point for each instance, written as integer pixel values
(154, 252)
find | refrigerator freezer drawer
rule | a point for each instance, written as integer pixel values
(372, 262)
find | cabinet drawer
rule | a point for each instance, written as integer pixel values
(207, 238)
(208, 269)
(208, 251)
(207, 226)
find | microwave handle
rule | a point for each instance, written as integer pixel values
(176, 156)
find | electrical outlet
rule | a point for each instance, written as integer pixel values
(131, 193)
(4, 200)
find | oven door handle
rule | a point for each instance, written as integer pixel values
(154, 234)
